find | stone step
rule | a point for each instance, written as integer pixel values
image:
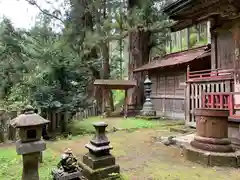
(235, 143)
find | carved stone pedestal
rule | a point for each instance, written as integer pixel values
(211, 145)
(65, 175)
(98, 163)
(212, 131)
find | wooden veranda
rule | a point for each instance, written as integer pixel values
(115, 85)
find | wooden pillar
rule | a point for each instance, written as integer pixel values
(208, 32)
(103, 100)
(180, 40)
(188, 37)
(236, 39)
(214, 48)
(126, 104)
(170, 43)
(53, 121)
(187, 100)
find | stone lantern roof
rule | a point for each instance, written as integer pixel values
(29, 118)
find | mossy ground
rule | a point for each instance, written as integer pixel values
(137, 153)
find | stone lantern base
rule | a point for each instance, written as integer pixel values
(66, 176)
(98, 163)
(148, 110)
(97, 168)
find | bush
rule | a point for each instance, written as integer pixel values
(81, 127)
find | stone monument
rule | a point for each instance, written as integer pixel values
(30, 144)
(68, 168)
(98, 163)
(148, 109)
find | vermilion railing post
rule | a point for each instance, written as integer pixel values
(231, 104)
(212, 100)
(209, 101)
(203, 101)
(221, 101)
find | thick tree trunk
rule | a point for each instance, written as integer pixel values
(83, 20)
(106, 75)
(139, 50)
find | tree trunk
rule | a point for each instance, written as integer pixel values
(106, 75)
(83, 20)
(139, 50)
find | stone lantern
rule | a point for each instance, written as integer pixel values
(98, 163)
(148, 109)
(30, 144)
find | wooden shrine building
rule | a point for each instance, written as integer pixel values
(109, 84)
(218, 87)
(169, 75)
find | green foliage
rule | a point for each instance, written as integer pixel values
(40, 68)
(11, 164)
(52, 69)
(148, 14)
(118, 96)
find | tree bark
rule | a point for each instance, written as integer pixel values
(139, 55)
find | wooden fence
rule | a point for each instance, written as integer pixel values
(58, 121)
(7, 132)
(85, 113)
(206, 81)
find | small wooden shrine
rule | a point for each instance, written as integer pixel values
(114, 85)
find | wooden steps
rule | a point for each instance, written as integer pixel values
(234, 118)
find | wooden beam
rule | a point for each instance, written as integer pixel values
(126, 104)
(103, 100)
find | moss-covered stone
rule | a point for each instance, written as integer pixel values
(99, 174)
(211, 158)
(196, 155)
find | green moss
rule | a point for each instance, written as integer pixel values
(86, 127)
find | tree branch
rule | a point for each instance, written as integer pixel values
(33, 2)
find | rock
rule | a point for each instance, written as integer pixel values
(167, 141)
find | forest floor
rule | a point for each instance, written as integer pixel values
(139, 155)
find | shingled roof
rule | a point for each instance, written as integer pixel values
(177, 58)
(190, 12)
(29, 118)
(115, 84)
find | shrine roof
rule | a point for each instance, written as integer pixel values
(115, 84)
(190, 12)
(177, 58)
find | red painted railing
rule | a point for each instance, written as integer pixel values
(210, 74)
(220, 100)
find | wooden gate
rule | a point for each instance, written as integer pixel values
(197, 85)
